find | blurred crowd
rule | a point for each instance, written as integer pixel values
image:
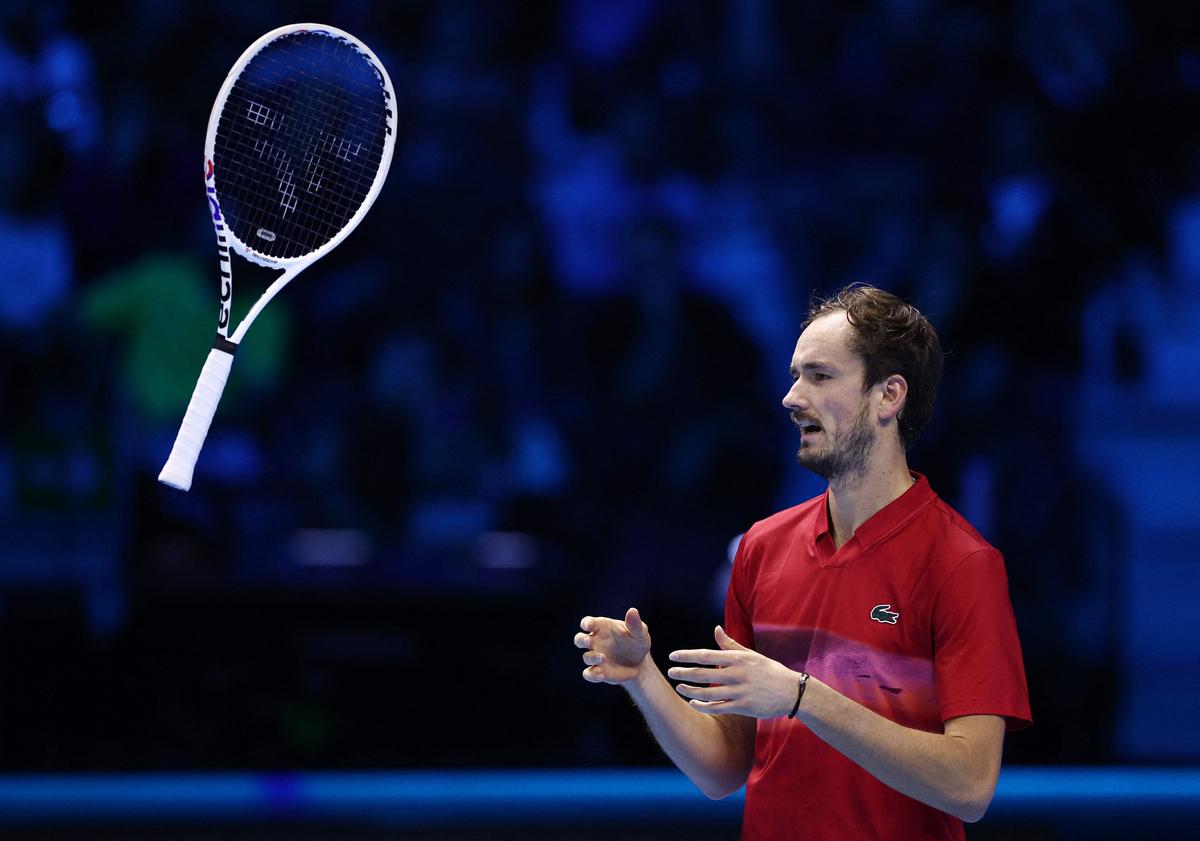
(543, 377)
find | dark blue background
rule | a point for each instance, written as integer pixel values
(542, 379)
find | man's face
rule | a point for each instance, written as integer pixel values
(827, 403)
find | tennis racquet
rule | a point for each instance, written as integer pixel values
(299, 143)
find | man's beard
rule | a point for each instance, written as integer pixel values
(846, 457)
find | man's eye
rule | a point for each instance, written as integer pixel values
(819, 376)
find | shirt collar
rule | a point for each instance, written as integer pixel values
(884, 521)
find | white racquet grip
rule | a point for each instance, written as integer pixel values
(177, 472)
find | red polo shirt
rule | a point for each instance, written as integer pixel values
(910, 618)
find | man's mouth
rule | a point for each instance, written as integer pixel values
(808, 427)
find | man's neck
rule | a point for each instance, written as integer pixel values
(854, 500)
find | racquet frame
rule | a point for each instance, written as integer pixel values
(177, 472)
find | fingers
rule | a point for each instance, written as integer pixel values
(583, 641)
(704, 693)
(727, 642)
(703, 656)
(709, 700)
(591, 626)
(600, 624)
(594, 658)
(721, 677)
(593, 674)
(633, 621)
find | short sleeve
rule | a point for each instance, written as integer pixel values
(738, 623)
(978, 667)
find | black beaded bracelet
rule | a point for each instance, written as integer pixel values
(799, 694)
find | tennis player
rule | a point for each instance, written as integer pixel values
(869, 664)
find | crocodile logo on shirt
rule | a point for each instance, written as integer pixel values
(884, 613)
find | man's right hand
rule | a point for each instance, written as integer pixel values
(615, 650)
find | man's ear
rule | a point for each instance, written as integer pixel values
(894, 393)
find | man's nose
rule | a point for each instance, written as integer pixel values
(794, 399)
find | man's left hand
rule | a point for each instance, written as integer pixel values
(736, 680)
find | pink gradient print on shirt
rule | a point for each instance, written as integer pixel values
(897, 686)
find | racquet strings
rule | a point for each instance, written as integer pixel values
(299, 142)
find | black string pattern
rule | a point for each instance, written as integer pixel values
(299, 142)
